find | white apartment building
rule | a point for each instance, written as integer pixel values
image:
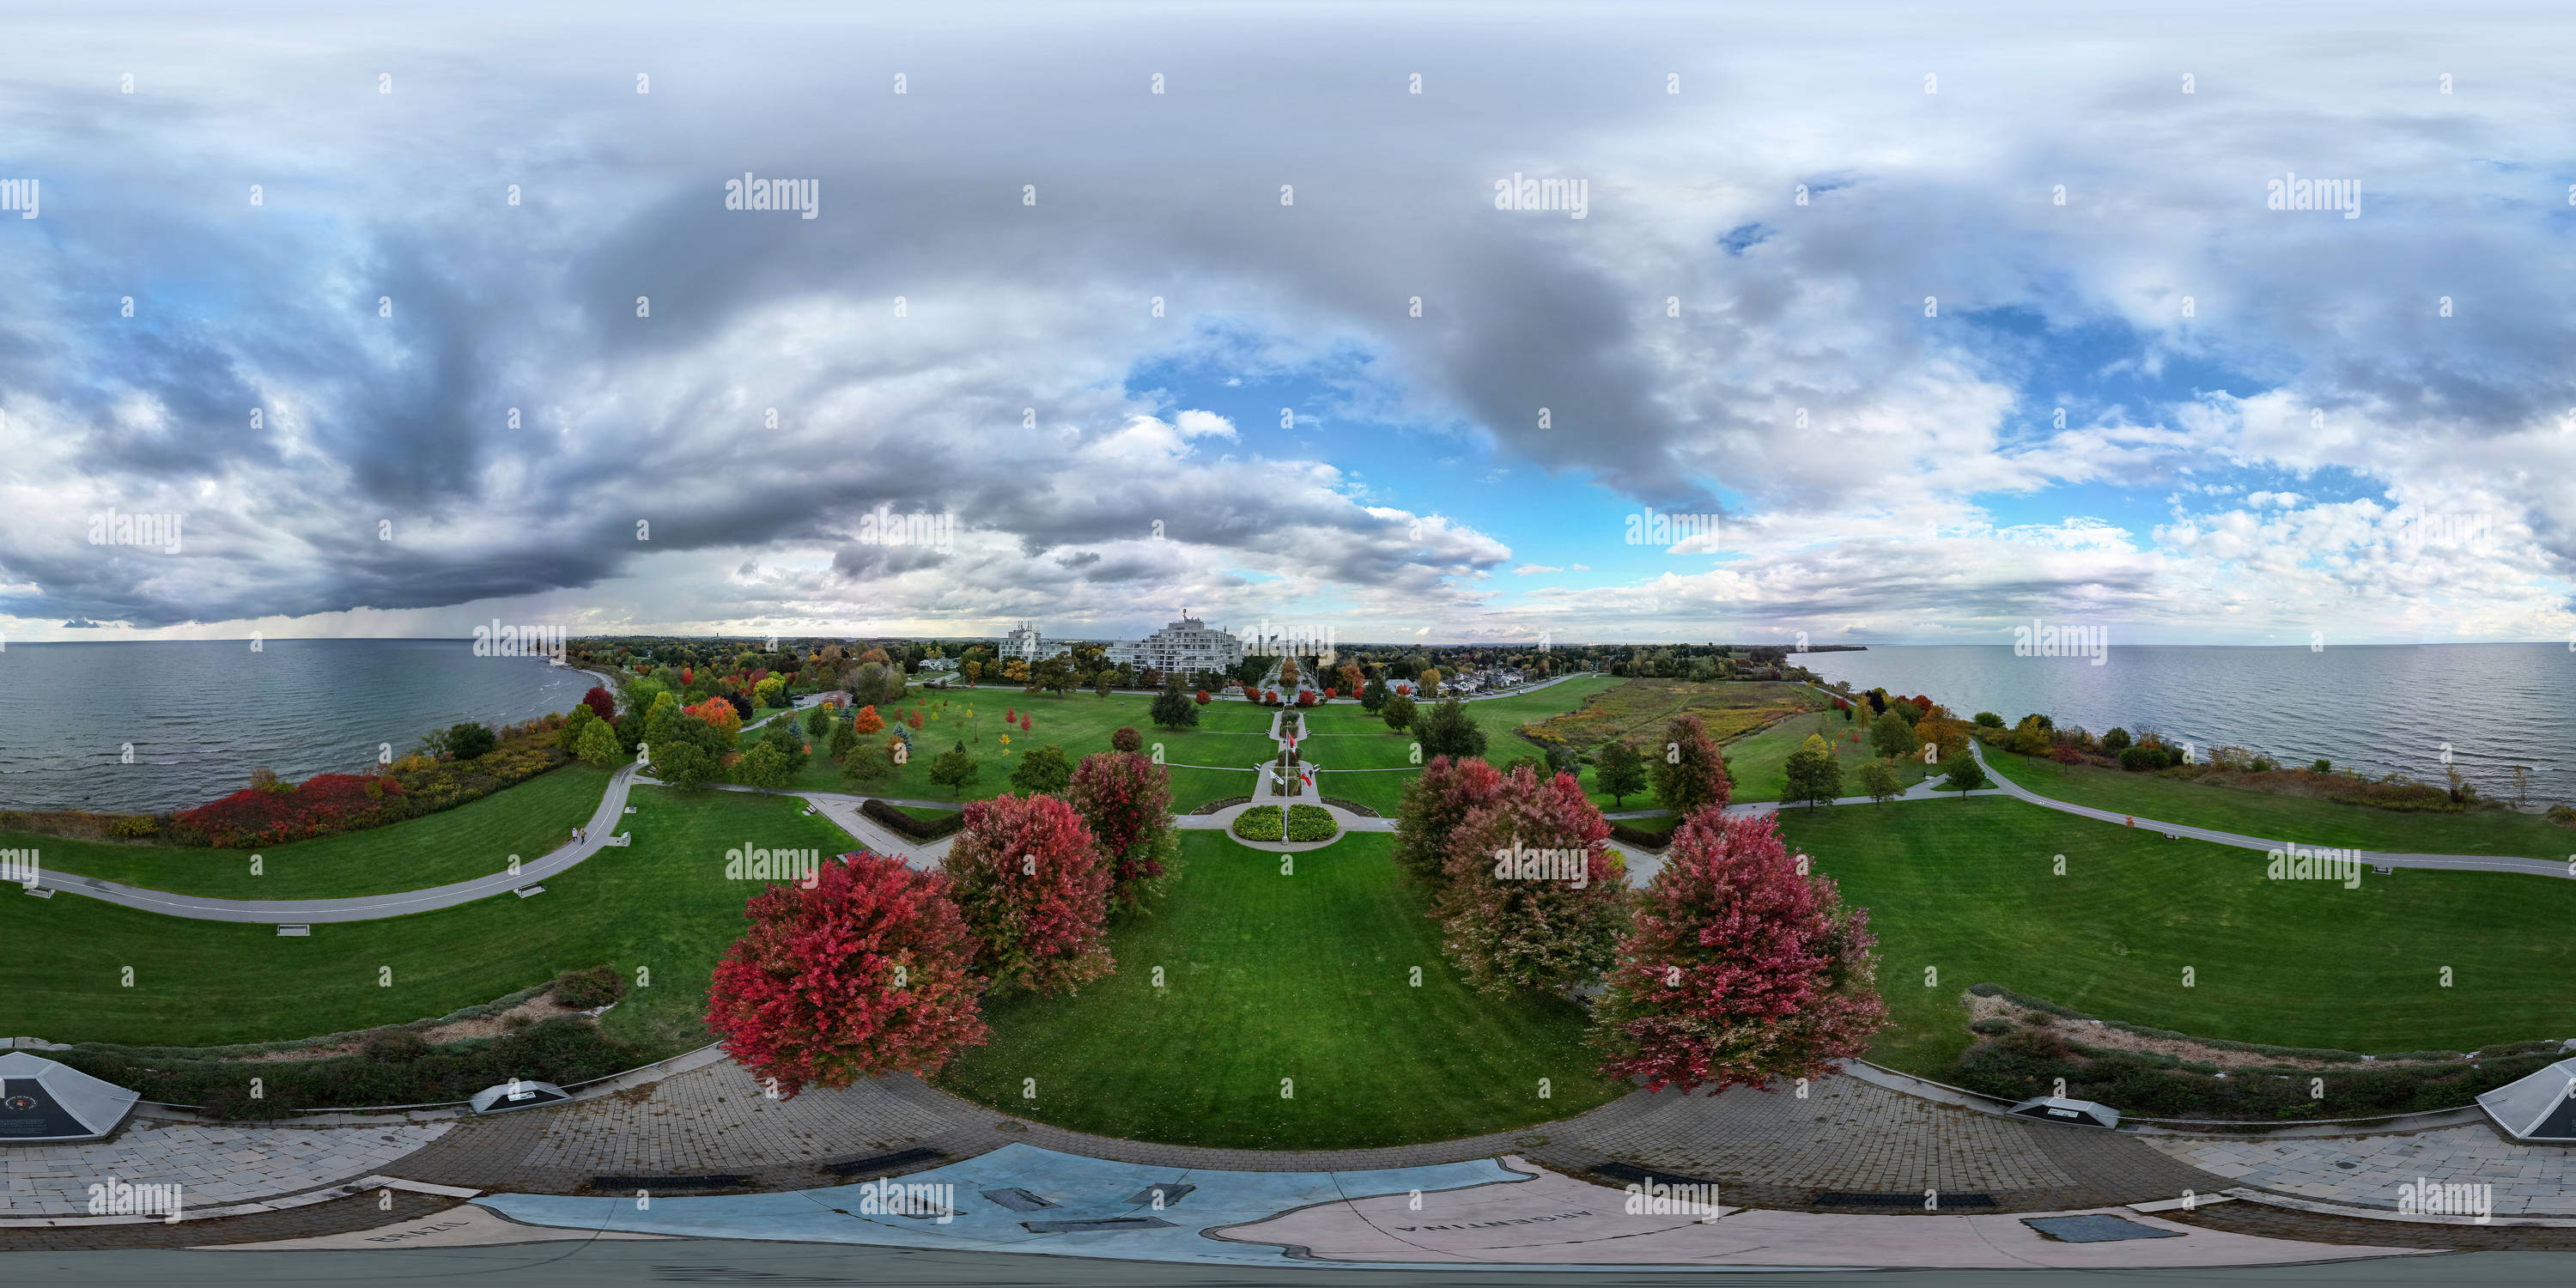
(1026, 645)
(1183, 647)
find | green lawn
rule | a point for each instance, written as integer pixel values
(2291, 818)
(1759, 761)
(1269, 977)
(663, 904)
(471, 840)
(1080, 723)
(1968, 887)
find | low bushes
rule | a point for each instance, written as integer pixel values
(589, 988)
(2028, 1062)
(911, 828)
(2015, 1063)
(328, 804)
(395, 1067)
(1305, 823)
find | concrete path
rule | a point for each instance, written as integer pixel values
(2375, 858)
(608, 818)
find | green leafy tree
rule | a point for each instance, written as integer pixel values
(764, 766)
(843, 739)
(469, 741)
(817, 720)
(955, 769)
(1374, 695)
(1397, 712)
(683, 764)
(1965, 776)
(1814, 776)
(1173, 708)
(1447, 730)
(865, 762)
(1690, 776)
(1619, 771)
(1891, 735)
(1044, 770)
(1878, 779)
(598, 744)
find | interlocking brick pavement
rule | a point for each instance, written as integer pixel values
(217, 1164)
(1774, 1149)
(2365, 1171)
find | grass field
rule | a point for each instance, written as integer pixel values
(1967, 887)
(1269, 977)
(471, 840)
(1760, 761)
(1229, 734)
(2291, 818)
(662, 904)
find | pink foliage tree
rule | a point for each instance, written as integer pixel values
(1434, 803)
(1533, 894)
(1126, 801)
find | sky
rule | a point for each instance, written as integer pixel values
(1930, 322)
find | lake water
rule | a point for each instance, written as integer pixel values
(201, 715)
(2382, 709)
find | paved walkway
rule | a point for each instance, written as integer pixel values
(604, 821)
(2375, 858)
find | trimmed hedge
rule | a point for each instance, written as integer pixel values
(910, 828)
(1639, 837)
(1353, 806)
(1305, 823)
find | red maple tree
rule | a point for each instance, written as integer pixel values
(1126, 801)
(1206, 697)
(867, 720)
(870, 971)
(601, 703)
(1741, 969)
(1034, 892)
